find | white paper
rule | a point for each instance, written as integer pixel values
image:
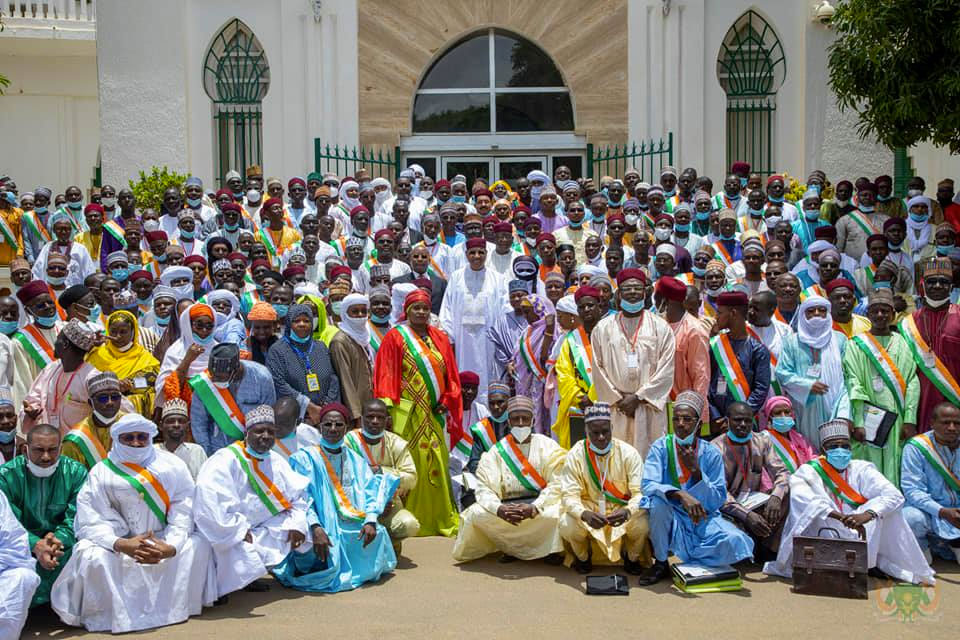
(872, 419)
(752, 499)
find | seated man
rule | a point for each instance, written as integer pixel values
(349, 547)
(89, 440)
(42, 488)
(18, 575)
(135, 565)
(601, 494)
(387, 453)
(174, 420)
(929, 474)
(251, 506)
(748, 458)
(861, 501)
(517, 508)
(684, 487)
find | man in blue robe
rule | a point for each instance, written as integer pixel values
(349, 547)
(683, 489)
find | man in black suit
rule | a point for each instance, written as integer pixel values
(419, 263)
(401, 214)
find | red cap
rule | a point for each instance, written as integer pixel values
(469, 377)
(671, 288)
(632, 274)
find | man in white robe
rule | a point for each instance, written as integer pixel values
(251, 506)
(517, 511)
(18, 573)
(851, 497)
(633, 362)
(136, 564)
(474, 299)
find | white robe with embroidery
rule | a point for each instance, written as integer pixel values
(18, 573)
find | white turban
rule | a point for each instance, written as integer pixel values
(668, 249)
(175, 273)
(132, 423)
(567, 304)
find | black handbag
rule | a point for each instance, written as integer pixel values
(830, 566)
(615, 585)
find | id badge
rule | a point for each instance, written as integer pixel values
(632, 361)
(878, 384)
(603, 505)
(721, 385)
(313, 384)
(813, 371)
(929, 359)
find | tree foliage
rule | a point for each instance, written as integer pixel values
(895, 63)
(149, 189)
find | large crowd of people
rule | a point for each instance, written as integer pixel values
(292, 378)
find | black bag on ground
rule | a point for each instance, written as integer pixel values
(830, 566)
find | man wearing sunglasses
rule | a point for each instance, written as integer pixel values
(89, 440)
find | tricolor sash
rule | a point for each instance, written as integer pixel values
(529, 357)
(248, 299)
(269, 494)
(863, 222)
(730, 367)
(35, 344)
(812, 290)
(114, 229)
(144, 483)
(220, 404)
(835, 483)
(519, 465)
(427, 364)
(870, 272)
(725, 256)
(30, 219)
(679, 474)
(884, 365)
(483, 431)
(356, 442)
(8, 234)
(924, 442)
(461, 450)
(344, 507)
(434, 269)
(88, 443)
(773, 359)
(782, 446)
(582, 355)
(268, 242)
(928, 362)
(376, 338)
(610, 492)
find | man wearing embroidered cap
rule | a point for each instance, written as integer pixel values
(855, 500)
(633, 364)
(89, 440)
(251, 506)
(134, 528)
(349, 546)
(601, 491)
(574, 368)
(174, 421)
(881, 376)
(517, 508)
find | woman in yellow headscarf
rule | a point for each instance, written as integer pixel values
(122, 354)
(324, 331)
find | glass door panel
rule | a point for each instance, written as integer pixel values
(470, 167)
(512, 168)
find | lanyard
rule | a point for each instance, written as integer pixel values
(303, 355)
(56, 390)
(636, 333)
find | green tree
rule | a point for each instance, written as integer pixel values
(149, 189)
(894, 64)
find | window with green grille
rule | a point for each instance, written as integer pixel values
(751, 67)
(236, 76)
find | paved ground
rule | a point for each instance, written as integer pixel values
(430, 597)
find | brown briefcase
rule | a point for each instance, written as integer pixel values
(830, 566)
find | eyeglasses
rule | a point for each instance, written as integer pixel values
(104, 398)
(137, 436)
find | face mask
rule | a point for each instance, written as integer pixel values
(733, 198)
(884, 198)
(162, 322)
(371, 436)
(429, 241)
(882, 284)
(120, 274)
(237, 195)
(357, 324)
(441, 201)
(662, 234)
(698, 271)
(187, 235)
(152, 225)
(575, 225)
(135, 455)
(331, 446)
(773, 221)
(738, 439)
(866, 209)
(202, 341)
(221, 385)
(703, 216)
(713, 293)
(670, 194)
(612, 203)
(689, 439)
(777, 199)
(56, 280)
(682, 228)
(601, 452)
(631, 220)
(8, 327)
(256, 454)
(42, 472)
(378, 319)
(935, 304)
(728, 237)
(531, 241)
(281, 309)
(503, 418)
(839, 458)
(743, 182)
(40, 209)
(104, 419)
(12, 199)
(109, 203)
(253, 196)
(336, 307)
(520, 434)
(894, 247)
(458, 198)
(426, 195)
(76, 206)
(184, 291)
(231, 227)
(631, 307)
(783, 423)
(756, 213)
(194, 202)
(6, 437)
(46, 321)
(304, 340)
(919, 217)
(811, 215)
(944, 250)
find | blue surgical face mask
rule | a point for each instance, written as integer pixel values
(162, 322)
(882, 284)
(756, 213)
(76, 206)
(866, 209)
(194, 202)
(331, 446)
(46, 322)
(631, 307)
(738, 439)
(944, 250)
(378, 319)
(703, 216)
(894, 246)
(8, 327)
(777, 199)
(6, 437)
(256, 454)
(161, 258)
(202, 341)
(811, 215)
(783, 424)
(604, 451)
(683, 228)
(187, 235)
(575, 225)
(884, 198)
(40, 209)
(304, 340)
(371, 436)
(503, 417)
(612, 203)
(839, 458)
(728, 237)
(11, 198)
(337, 307)
(56, 280)
(456, 198)
(94, 314)
(743, 182)
(698, 271)
(231, 227)
(670, 194)
(919, 217)
(689, 439)
(120, 274)
(281, 309)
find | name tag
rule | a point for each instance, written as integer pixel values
(813, 371)
(632, 361)
(603, 505)
(721, 385)
(313, 384)
(929, 359)
(878, 384)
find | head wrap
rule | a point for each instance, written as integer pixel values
(132, 423)
(597, 412)
(921, 199)
(772, 403)
(262, 312)
(416, 296)
(567, 304)
(814, 334)
(175, 273)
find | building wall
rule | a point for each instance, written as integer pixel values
(396, 48)
(48, 115)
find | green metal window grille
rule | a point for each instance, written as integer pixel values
(751, 66)
(648, 158)
(344, 161)
(236, 76)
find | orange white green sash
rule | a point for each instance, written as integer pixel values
(870, 271)
(340, 246)
(730, 367)
(355, 441)
(220, 404)
(885, 366)
(679, 474)
(582, 355)
(344, 506)
(30, 219)
(781, 444)
(376, 337)
(8, 234)
(813, 290)
(863, 222)
(610, 492)
(461, 450)
(427, 364)
(88, 443)
(434, 269)
(114, 229)
(686, 278)
(773, 359)
(268, 242)
(519, 465)
(144, 483)
(835, 483)
(529, 357)
(269, 494)
(725, 255)
(928, 362)
(35, 344)
(483, 431)
(924, 442)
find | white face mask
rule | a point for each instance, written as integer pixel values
(42, 472)
(662, 234)
(151, 225)
(935, 304)
(842, 203)
(713, 293)
(426, 195)
(357, 324)
(135, 455)
(912, 193)
(772, 221)
(184, 291)
(104, 419)
(520, 434)
(631, 220)
(253, 196)
(531, 241)
(109, 203)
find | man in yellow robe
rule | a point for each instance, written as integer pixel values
(518, 500)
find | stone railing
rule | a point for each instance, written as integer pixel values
(49, 18)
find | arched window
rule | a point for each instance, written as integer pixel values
(751, 66)
(236, 76)
(492, 82)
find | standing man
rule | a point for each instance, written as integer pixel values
(855, 227)
(691, 368)
(633, 355)
(574, 368)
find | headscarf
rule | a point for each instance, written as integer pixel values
(399, 293)
(176, 352)
(546, 318)
(359, 331)
(325, 329)
(816, 332)
(768, 407)
(296, 310)
(132, 423)
(223, 320)
(347, 201)
(107, 357)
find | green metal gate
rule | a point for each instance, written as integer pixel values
(648, 158)
(345, 161)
